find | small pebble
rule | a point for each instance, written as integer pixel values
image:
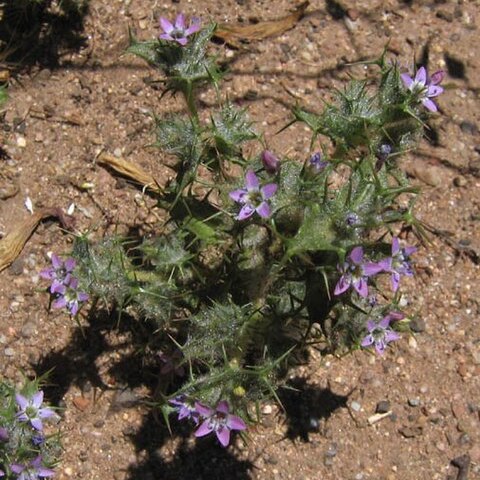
(460, 181)
(9, 352)
(21, 142)
(414, 402)
(383, 406)
(355, 406)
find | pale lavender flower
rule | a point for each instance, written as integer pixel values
(316, 164)
(34, 471)
(355, 273)
(186, 408)
(380, 334)
(178, 32)
(219, 421)
(253, 198)
(398, 264)
(425, 88)
(30, 409)
(60, 272)
(3, 434)
(2, 473)
(270, 162)
(68, 296)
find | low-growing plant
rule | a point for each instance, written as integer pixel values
(256, 251)
(27, 451)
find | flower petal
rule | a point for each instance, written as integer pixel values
(245, 212)
(430, 105)
(342, 285)
(236, 423)
(203, 410)
(182, 41)
(204, 429)
(434, 91)
(223, 435)
(421, 76)
(70, 264)
(36, 424)
(60, 302)
(391, 336)
(251, 181)
(268, 190)
(223, 407)
(395, 281)
(56, 262)
(407, 80)
(37, 399)
(195, 24)
(180, 22)
(166, 26)
(264, 210)
(371, 268)
(395, 246)
(367, 341)
(21, 401)
(361, 287)
(166, 36)
(238, 195)
(356, 255)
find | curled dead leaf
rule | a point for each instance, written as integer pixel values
(129, 170)
(12, 244)
(232, 34)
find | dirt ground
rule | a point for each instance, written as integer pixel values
(58, 120)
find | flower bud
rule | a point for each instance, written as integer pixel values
(270, 162)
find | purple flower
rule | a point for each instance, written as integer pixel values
(426, 88)
(253, 197)
(316, 164)
(399, 263)
(30, 409)
(352, 219)
(380, 334)
(178, 32)
(355, 273)
(219, 421)
(59, 273)
(270, 162)
(185, 408)
(3, 434)
(34, 471)
(68, 296)
(2, 473)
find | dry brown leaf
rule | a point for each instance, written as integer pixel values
(232, 33)
(129, 170)
(12, 244)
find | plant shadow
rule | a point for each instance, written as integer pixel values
(306, 405)
(38, 32)
(192, 459)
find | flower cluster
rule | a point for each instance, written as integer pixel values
(355, 274)
(64, 286)
(218, 420)
(25, 426)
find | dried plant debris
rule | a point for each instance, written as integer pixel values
(12, 244)
(129, 170)
(233, 34)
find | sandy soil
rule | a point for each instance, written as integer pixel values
(96, 99)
